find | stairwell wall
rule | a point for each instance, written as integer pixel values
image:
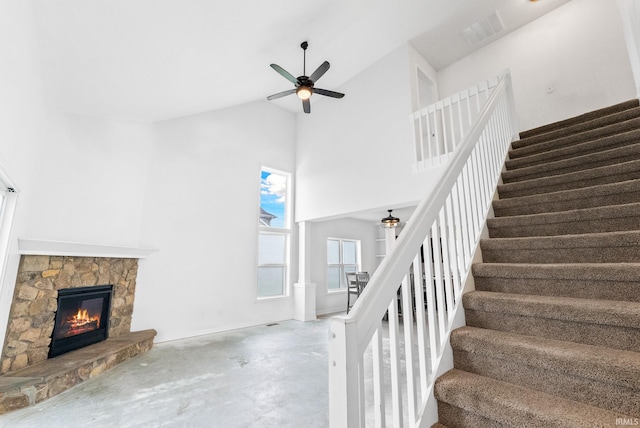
(363, 159)
(569, 61)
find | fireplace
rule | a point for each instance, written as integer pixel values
(45, 287)
(82, 318)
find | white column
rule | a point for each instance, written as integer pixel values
(304, 291)
(389, 238)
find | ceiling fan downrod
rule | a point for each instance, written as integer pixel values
(304, 46)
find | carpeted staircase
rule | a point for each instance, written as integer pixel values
(553, 328)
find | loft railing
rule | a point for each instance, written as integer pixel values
(439, 128)
(373, 380)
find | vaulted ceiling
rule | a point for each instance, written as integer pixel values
(150, 60)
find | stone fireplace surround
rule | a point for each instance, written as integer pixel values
(27, 376)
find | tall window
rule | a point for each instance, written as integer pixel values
(274, 235)
(343, 255)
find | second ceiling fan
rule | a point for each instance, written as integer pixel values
(304, 85)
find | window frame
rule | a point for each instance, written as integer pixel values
(284, 231)
(341, 265)
(7, 210)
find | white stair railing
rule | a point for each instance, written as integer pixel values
(439, 128)
(373, 380)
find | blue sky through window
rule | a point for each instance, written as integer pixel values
(273, 193)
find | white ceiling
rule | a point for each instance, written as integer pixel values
(150, 60)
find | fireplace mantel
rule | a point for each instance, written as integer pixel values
(35, 247)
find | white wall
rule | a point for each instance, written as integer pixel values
(201, 213)
(87, 182)
(346, 228)
(417, 64)
(578, 50)
(79, 179)
(188, 187)
(630, 14)
(356, 153)
(21, 109)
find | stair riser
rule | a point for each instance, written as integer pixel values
(584, 289)
(616, 337)
(527, 373)
(453, 416)
(610, 157)
(578, 226)
(564, 183)
(599, 116)
(566, 202)
(530, 146)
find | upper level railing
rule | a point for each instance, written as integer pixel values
(382, 371)
(439, 128)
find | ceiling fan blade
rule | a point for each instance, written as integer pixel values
(284, 73)
(281, 94)
(306, 106)
(319, 71)
(327, 93)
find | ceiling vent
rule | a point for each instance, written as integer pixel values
(484, 29)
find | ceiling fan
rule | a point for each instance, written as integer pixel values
(304, 85)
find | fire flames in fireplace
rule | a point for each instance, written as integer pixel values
(80, 316)
(81, 322)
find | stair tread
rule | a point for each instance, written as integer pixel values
(629, 272)
(604, 312)
(613, 366)
(522, 168)
(588, 146)
(515, 405)
(593, 116)
(622, 187)
(629, 238)
(630, 119)
(576, 176)
(607, 218)
(601, 247)
(607, 281)
(580, 214)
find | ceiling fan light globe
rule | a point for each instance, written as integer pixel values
(304, 92)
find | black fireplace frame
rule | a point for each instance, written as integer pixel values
(63, 345)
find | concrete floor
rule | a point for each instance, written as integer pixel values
(265, 376)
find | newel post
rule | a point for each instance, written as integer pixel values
(344, 411)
